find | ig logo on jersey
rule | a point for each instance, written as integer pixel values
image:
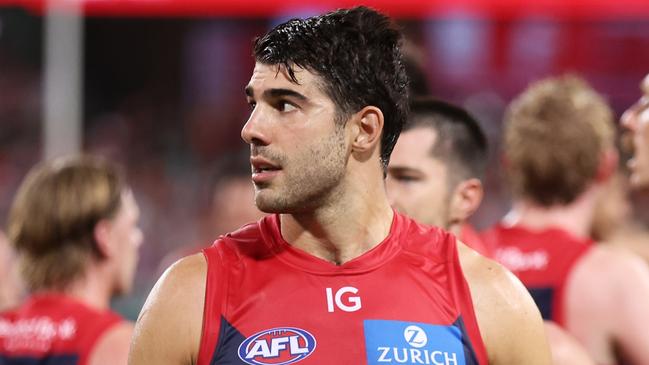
(277, 346)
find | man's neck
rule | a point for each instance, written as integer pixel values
(358, 221)
(93, 289)
(575, 218)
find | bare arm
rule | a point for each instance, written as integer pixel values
(628, 303)
(565, 348)
(509, 321)
(168, 330)
(607, 298)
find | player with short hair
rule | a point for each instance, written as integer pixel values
(559, 153)
(435, 175)
(73, 224)
(334, 276)
(636, 120)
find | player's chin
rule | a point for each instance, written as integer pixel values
(267, 203)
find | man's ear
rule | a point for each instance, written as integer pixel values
(102, 233)
(607, 165)
(366, 129)
(465, 200)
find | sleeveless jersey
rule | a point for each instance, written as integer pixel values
(542, 260)
(403, 302)
(52, 329)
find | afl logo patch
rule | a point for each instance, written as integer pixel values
(277, 346)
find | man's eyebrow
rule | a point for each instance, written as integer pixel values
(402, 169)
(248, 91)
(277, 93)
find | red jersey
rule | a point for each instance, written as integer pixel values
(542, 260)
(403, 302)
(52, 329)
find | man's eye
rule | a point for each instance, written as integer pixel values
(252, 105)
(405, 178)
(285, 106)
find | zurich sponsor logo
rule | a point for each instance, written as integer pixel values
(396, 342)
(415, 336)
(277, 346)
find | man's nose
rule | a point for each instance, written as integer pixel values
(254, 131)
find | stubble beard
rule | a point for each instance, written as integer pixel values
(310, 180)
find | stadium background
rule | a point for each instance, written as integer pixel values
(163, 86)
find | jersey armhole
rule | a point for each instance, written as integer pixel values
(214, 304)
(560, 302)
(464, 301)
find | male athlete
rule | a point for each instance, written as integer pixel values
(335, 276)
(435, 176)
(559, 151)
(636, 120)
(73, 224)
(436, 168)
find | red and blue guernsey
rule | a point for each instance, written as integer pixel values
(404, 302)
(52, 329)
(543, 260)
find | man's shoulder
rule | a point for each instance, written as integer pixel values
(183, 280)
(484, 272)
(253, 241)
(505, 311)
(495, 291)
(608, 264)
(169, 325)
(188, 271)
(426, 240)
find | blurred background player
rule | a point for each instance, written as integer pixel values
(434, 176)
(230, 196)
(559, 152)
(73, 224)
(636, 121)
(228, 203)
(614, 222)
(436, 168)
(10, 286)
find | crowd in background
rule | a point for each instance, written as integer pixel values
(165, 99)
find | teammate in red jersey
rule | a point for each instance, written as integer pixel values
(73, 224)
(559, 152)
(436, 169)
(636, 120)
(334, 276)
(435, 177)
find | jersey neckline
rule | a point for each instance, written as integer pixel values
(374, 258)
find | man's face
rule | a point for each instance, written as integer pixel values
(636, 120)
(298, 152)
(417, 183)
(127, 236)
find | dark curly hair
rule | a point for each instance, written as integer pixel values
(357, 54)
